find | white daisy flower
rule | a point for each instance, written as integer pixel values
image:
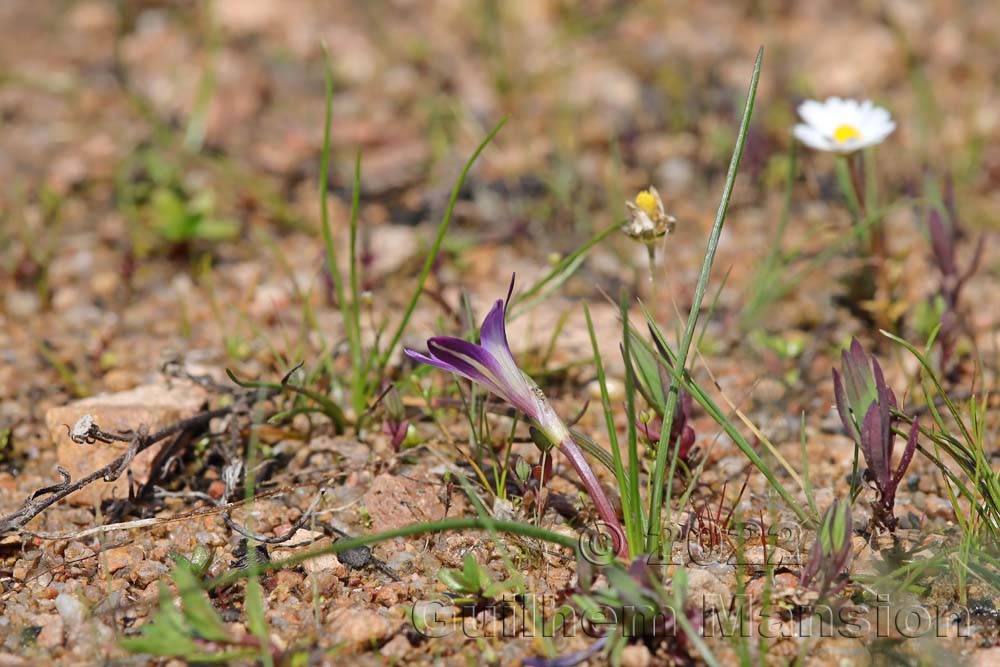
(842, 126)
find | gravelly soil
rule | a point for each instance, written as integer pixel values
(101, 106)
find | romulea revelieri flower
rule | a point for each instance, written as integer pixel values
(491, 365)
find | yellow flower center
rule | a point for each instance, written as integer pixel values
(845, 133)
(647, 202)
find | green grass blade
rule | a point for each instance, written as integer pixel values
(633, 437)
(656, 496)
(350, 324)
(352, 311)
(559, 274)
(629, 504)
(709, 406)
(432, 254)
(428, 528)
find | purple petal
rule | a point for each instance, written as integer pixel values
(493, 333)
(440, 358)
(493, 336)
(510, 290)
(430, 361)
(476, 363)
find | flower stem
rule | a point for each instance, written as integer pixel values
(604, 507)
(846, 183)
(856, 175)
(651, 249)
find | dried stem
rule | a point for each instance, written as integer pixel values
(43, 498)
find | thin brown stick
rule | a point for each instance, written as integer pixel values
(42, 499)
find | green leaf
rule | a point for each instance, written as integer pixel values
(167, 634)
(473, 574)
(659, 479)
(622, 583)
(170, 216)
(216, 229)
(254, 607)
(198, 609)
(454, 579)
(159, 638)
(647, 371)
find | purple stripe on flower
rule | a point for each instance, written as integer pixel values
(490, 364)
(469, 360)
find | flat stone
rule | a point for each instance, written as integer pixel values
(154, 406)
(126, 556)
(987, 657)
(636, 655)
(51, 635)
(303, 537)
(394, 502)
(358, 629)
(397, 648)
(70, 609)
(328, 563)
(146, 571)
(708, 592)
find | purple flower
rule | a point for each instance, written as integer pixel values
(491, 365)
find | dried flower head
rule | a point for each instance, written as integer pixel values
(647, 220)
(81, 429)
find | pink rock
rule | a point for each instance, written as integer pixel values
(154, 406)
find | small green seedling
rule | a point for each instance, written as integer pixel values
(166, 210)
(180, 219)
(473, 583)
(194, 631)
(200, 561)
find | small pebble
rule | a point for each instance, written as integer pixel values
(400, 561)
(636, 655)
(148, 571)
(355, 558)
(70, 609)
(939, 508)
(984, 608)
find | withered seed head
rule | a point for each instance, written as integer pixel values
(648, 220)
